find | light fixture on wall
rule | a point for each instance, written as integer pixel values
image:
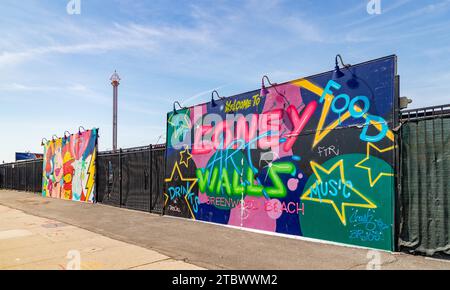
(81, 128)
(42, 141)
(213, 102)
(404, 102)
(66, 134)
(175, 109)
(337, 74)
(265, 91)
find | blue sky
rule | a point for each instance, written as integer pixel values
(55, 67)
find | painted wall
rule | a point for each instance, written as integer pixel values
(70, 167)
(313, 158)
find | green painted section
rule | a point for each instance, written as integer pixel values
(353, 212)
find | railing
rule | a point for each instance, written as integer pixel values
(426, 113)
(131, 178)
(23, 176)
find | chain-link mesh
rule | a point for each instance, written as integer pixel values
(108, 179)
(136, 192)
(22, 171)
(2, 177)
(157, 177)
(23, 176)
(38, 170)
(132, 178)
(29, 174)
(9, 177)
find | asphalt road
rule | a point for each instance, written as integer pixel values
(206, 245)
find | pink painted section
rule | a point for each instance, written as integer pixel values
(275, 101)
(273, 209)
(299, 122)
(79, 143)
(202, 197)
(254, 215)
(200, 160)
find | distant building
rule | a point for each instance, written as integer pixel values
(28, 156)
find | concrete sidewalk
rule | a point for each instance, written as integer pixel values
(204, 245)
(34, 243)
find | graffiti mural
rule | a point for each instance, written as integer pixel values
(70, 167)
(313, 157)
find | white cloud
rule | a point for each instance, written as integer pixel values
(190, 101)
(117, 37)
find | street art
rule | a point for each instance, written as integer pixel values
(70, 167)
(312, 157)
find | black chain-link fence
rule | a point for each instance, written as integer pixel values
(425, 181)
(132, 178)
(129, 178)
(23, 176)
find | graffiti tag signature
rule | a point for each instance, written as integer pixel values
(368, 228)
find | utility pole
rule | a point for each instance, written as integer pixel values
(115, 82)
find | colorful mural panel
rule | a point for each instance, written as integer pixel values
(70, 167)
(313, 157)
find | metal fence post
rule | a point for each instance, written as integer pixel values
(33, 186)
(12, 177)
(120, 177)
(26, 177)
(163, 212)
(96, 180)
(151, 177)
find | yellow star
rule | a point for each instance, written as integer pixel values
(176, 168)
(359, 165)
(340, 212)
(167, 199)
(186, 154)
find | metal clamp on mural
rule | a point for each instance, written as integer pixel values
(70, 166)
(312, 157)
